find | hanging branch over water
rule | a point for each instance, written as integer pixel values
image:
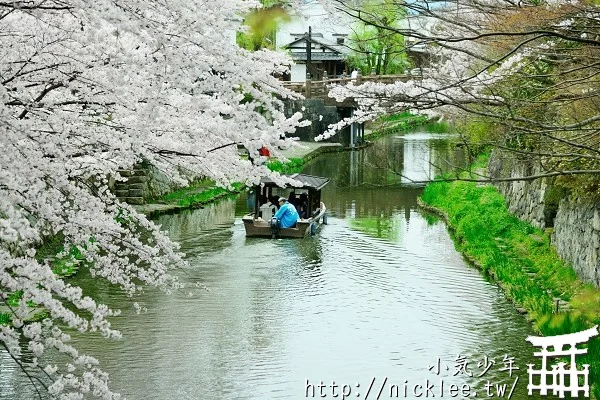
(528, 72)
(88, 88)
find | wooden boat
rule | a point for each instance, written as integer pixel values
(258, 223)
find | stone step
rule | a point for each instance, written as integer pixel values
(139, 186)
(133, 200)
(137, 179)
(136, 193)
(121, 193)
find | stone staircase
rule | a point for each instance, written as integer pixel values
(134, 190)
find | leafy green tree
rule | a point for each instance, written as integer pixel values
(528, 70)
(262, 26)
(374, 45)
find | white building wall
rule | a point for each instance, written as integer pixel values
(298, 73)
(312, 14)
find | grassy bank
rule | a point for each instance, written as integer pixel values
(205, 191)
(197, 195)
(64, 266)
(521, 259)
(294, 165)
(401, 122)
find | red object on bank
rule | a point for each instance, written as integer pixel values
(264, 152)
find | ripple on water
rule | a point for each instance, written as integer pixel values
(344, 305)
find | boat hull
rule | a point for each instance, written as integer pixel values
(261, 228)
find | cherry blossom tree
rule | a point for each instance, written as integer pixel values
(528, 69)
(88, 88)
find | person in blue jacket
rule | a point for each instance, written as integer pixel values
(287, 216)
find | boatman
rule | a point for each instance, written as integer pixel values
(287, 216)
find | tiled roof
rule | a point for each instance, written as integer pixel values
(318, 56)
(309, 181)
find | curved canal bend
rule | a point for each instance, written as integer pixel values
(379, 293)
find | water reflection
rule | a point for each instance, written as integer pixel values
(379, 293)
(379, 180)
(415, 156)
(198, 232)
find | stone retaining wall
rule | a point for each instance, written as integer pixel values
(577, 237)
(144, 182)
(525, 199)
(321, 116)
(576, 222)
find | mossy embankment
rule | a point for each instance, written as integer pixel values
(198, 194)
(520, 258)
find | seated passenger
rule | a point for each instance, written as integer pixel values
(292, 199)
(302, 211)
(273, 200)
(267, 210)
(303, 199)
(287, 216)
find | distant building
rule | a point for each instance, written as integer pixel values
(328, 42)
(417, 52)
(329, 39)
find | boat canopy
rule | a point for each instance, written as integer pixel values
(308, 181)
(311, 185)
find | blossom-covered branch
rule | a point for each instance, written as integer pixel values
(527, 69)
(92, 87)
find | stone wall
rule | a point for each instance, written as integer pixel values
(525, 199)
(144, 182)
(577, 237)
(576, 222)
(313, 110)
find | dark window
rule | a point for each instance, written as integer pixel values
(340, 40)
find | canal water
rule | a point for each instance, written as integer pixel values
(379, 302)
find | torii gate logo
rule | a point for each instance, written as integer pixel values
(563, 380)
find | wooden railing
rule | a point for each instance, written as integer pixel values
(311, 89)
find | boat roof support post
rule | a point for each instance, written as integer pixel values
(257, 194)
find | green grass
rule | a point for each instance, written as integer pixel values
(395, 123)
(519, 255)
(294, 165)
(194, 196)
(520, 258)
(5, 318)
(396, 117)
(180, 195)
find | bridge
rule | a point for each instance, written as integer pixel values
(320, 89)
(323, 110)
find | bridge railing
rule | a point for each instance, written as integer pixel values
(320, 88)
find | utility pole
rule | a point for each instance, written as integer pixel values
(308, 53)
